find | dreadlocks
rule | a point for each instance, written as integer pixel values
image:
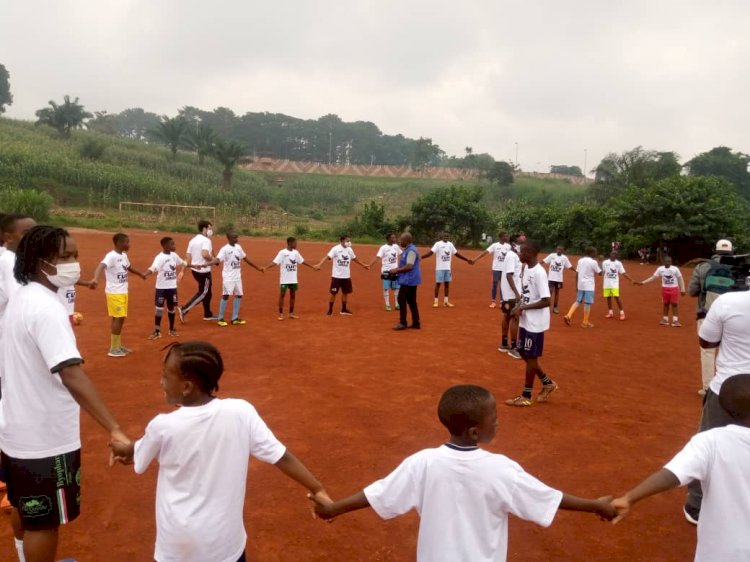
(40, 243)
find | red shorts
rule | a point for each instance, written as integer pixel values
(670, 295)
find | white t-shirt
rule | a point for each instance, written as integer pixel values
(512, 264)
(203, 454)
(38, 416)
(116, 273)
(556, 266)
(670, 276)
(232, 257)
(67, 296)
(728, 322)
(535, 288)
(341, 257)
(288, 262)
(8, 283)
(720, 459)
(444, 252)
(195, 248)
(498, 251)
(388, 254)
(612, 271)
(587, 269)
(165, 267)
(463, 499)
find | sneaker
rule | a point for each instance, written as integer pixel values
(691, 514)
(117, 353)
(676, 324)
(238, 322)
(181, 314)
(449, 304)
(415, 327)
(555, 310)
(329, 314)
(293, 316)
(211, 318)
(520, 401)
(503, 348)
(400, 327)
(222, 323)
(346, 313)
(281, 316)
(388, 308)
(173, 333)
(435, 305)
(587, 325)
(493, 304)
(155, 335)
(567, 319)
(664, 322)
(622, 315)
(126, 349)
(610, 314)
(547, 389)
(702, 392)
(514, 354)
(398, 307)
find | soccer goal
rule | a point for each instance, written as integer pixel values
(164, 215)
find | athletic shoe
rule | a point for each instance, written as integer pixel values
(493, 304)
(222, 323)
(691, 514)
(555, 310)
(622, 315)
(117, 353)
(388, 308)
(676, 324)
(513, 353)
(702, 392)
(238, 322)
(155, 335)
(567, 319)
(435, 305)
(126, 349)
(547, 389)
(664, 322)
(587, 325)
(329, 314)
(400, 327)
(398, 307)
(520, 401)
(449, 304)
(503, 348)
(211, 318)
(610, 314)
(293, 316)
(346, 313)
(415, 327)
(281, 316)
(173, 333)
(181, 314)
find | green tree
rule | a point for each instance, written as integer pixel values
(133, 123)
(636, 167)
(425, 153)
(172, 132)
(228, 154)
(6, 98)
(66, 117)
(501, 173)
(566, 170)
(202, 139)
(721, 162)
(457, 210)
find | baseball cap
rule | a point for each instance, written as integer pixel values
(724, 246)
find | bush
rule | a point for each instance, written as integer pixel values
(458, 210)
(27, 202)
(92, 149)
(301, 230)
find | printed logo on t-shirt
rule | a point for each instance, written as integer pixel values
(70, 295)
(669, 278)
(342, 260)
(556, 266)
(291, 265)
(612, 270)
(122, 276)
(445, 255)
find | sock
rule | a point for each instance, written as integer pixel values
(236, 308)
(586, 313)
(385, 297)
(115, 341)
(343, 306)
(572, 311)
(675, 319)
(330, 307)
(281, 309)
(504, 342)
(170, 315)
(222, 308)
(611, 311)
(665, 318)
(157, 318)
(436, 300)
(445, 299)
(526, 392)
(395, 296)
(19, 550)
(543, 377)
(513, 344)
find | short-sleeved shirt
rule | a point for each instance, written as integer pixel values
(587, 269)
(463, 499)
(444, 252)
(557, 263)
(203, 454)
(116, 273)
(535, 287)
(288, 262)
(8, 283)
(197, 245)
(38, 416)
(612, 271)
(512, 264)
(388, 254)
(720, 459)
(670, 276)
(498, 251)
(341, 259)
(165, 267)
(231, 257)
(67, 296)
(728, 322)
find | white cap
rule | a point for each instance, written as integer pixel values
(724, 246)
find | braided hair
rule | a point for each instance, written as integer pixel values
(40, 243)
(199, 362)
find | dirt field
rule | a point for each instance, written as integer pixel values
(340, 394)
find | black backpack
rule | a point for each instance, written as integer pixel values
(728, 274)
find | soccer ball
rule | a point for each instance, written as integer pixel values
(77, 318)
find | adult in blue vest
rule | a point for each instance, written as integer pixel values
(409, 278)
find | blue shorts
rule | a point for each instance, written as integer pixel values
(443, 276)
(390, 284)
(530, 344)
(585, 297)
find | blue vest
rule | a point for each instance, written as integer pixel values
(414, 276)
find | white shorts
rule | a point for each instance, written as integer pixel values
(231, 287)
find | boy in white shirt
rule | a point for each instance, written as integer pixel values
(444, 250)
(341, 257)
(288, 260)
(116, 266)
(557, 263)
(612, 268)
(498, 250)
(720, 459)
(510, 294)
(533, 310)
(462, 493)
(388, 254)
(672, 286)
(232, 255)
(586, 271)
(169, 269)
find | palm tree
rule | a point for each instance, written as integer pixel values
(228, 154)
(172, 132)
(202, 139)
(66, 117)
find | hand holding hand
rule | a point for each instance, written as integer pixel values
(321, 505)
(606, 510)
(121, 448)
(471, 262)
(93, 284)
(622, 508)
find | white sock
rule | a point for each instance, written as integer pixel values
(445, 299)
(666, 318)
(610, 311)
(19, 550)
(674, 319)
(436, 299)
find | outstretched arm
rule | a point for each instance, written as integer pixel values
(464, 258)
(658, 482)
(322, 261)
(329, 511)
(294, 469)
(602, 507)
(480, 256)
(647, 281)
(427, 255)
(137, 272)
(97, 273)
(251, 264)
(364, 265)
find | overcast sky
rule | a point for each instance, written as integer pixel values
(555, 77)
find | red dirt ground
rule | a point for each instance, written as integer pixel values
(343, 396)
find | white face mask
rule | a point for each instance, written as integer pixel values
(67, 275)
(347, 244)
(209, 232)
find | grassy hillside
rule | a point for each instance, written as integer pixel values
(86, 187)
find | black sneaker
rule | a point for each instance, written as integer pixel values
(415, 327)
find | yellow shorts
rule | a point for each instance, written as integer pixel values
(117, 305)
(611, 293)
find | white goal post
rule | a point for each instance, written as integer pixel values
(163, 211)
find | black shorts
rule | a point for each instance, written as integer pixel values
(555, 285)
(530, 344)
(343, 285)
(46, 492)
(507, 306)
(166, 296)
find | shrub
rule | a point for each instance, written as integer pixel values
(92, 149)
(27, 202)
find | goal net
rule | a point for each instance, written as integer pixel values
(162, 215)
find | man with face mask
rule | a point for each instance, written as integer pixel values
(341, 256)
(409, 275)
(200, 258)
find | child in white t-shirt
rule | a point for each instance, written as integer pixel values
(558, 263)
(289, 259)
(388, 254)
(672, 286)
(586, 271)
(232, 255)
(444, 250)
(462, 493)
(341, 257)
(611, 270)
(203, 449)
(169, 268)
(720, 459)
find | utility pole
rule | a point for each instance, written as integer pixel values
(585, 161)
(330, 146)
(516, 155)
